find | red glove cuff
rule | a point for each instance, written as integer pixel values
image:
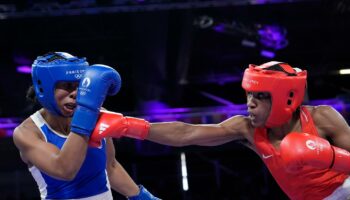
(137, 128)
(341, 160)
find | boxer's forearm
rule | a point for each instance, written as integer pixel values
(169, 133)
(120, 180)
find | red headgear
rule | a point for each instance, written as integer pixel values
(285, 84)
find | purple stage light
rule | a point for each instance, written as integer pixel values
(267, 54)
(337, 104)
(270, 1)
(220, 79)
(24, 69)
(219, 28)
(273, 36)
(7, 125)
(158, 107)
(190, 115)
(218, 99)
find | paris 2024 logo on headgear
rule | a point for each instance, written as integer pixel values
(85, 86)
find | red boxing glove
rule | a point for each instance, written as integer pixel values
(300, 149)
(111, 124)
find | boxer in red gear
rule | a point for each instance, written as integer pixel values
(277, 127)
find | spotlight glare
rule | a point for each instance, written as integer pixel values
(184, 172)
(344, 71)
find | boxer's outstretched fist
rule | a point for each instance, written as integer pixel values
(111, 124)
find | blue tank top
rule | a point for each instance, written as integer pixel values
(90, 180)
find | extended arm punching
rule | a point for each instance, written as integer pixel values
(183, 134)
(115, 125)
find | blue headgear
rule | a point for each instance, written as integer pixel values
(51, 68)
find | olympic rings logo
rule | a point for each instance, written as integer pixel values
(78, 76)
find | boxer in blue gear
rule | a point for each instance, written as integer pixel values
(58, 156)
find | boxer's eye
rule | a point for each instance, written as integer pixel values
(69, 86)
(263, 95)
(259, 95)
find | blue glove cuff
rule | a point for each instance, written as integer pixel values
(143, 195)
(84, 120)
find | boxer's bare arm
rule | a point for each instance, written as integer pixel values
(330, 123)
(182, 134)
(119, 179)
(62, 164)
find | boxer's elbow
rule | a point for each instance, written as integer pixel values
(65, 170)
(65, 174)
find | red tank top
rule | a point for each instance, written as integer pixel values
(308, 183)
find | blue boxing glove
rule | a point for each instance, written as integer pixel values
(143, 195)
(97, 82)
